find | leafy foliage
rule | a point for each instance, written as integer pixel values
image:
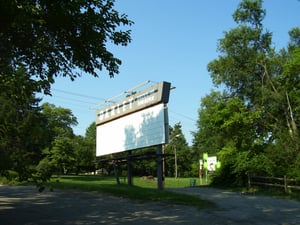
(50, 38)
(40, 40)
(178, 145)
(22, 125)
(59, 121)
(253, 124)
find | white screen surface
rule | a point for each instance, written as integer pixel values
(144, 128)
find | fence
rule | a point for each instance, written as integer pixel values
(282, 182)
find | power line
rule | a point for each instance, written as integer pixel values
(73, 100)
(92, 97)
(187, 117)
(77, 94)
(121, 94)
(67, 104)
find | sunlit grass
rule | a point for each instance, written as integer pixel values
(142, 190)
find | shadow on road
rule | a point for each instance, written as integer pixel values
(26, 206)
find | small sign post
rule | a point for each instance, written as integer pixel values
(200, 170)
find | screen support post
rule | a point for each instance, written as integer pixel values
(129, 168)
(160, 173)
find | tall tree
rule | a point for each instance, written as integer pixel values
(62, 155)
(180, 164)
(287, 120)
(59, 121)
(90, 133)
(40, 40)
(244, 54)
(22, 126)
(85, 154)
(208, 137)
(85, 150)
(227, 127)
(252, 121)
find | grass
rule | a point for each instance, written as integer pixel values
(276, 192)
(146, 190)
(143, 190)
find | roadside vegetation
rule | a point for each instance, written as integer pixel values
(142, 190)
(275, 192)
(146, 189)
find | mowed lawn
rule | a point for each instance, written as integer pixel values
(143, 189)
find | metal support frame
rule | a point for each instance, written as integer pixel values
(159, 156)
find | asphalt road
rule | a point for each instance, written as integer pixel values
(26, 206)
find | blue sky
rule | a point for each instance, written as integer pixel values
(172, 40)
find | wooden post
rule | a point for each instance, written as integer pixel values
(285, 184)
(160, 178)
(116, 172)
(129, 169)
(163, 165)
(249, 180)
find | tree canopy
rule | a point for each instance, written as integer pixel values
(51, 38)
(178, 146)
(253, 124)
(40, 40)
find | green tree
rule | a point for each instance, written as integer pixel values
(60, 151)
(251, 69)
(85, 154)
(85, 150)
(22, 126)
(90, 133)
(61, 155)
(288, 137)
(227, 127)
(180, 164)
(40, 40)
(255, 118)
(52, 38)
(59, 121)
(208, 137)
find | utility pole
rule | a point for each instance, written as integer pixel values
(175, 155)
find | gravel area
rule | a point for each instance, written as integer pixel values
(237, 208)
(26, 206)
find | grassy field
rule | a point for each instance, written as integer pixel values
(170, 182)
(142, 190)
